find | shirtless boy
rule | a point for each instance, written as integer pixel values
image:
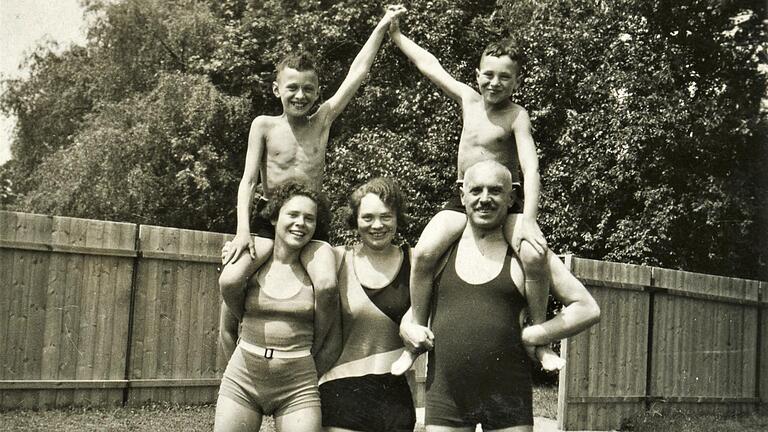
(292, 146)
(498, 129)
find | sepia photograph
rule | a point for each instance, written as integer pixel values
(354, 215)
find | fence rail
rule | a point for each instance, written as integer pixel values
(106, 313)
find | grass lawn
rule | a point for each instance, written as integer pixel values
(685, 422)
(162, 417)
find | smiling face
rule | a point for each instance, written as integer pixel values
(486, 195)
(296, 222)
(497, 78)
(298, 90)
(376, 222)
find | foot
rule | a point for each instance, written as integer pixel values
(549, 359)
(401, 365)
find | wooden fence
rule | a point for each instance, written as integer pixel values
(106, 313)
(667, 339)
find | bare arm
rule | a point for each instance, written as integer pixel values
(330, 350)
(253, 156)
(529, 165)
(429, 66)
(580, 312)
(361, 65)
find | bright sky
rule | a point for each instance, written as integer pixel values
(24, 23)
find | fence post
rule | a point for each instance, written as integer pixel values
(131, 312)
(649, 340)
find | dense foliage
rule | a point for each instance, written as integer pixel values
(646, 114)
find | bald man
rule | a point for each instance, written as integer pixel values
(479, 372)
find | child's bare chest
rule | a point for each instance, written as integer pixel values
(298, 145)
(492, 131)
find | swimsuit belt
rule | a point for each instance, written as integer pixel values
(270, 352)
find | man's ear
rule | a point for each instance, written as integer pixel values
(463, 200)
(275, 89)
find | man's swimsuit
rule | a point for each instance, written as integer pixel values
(478, 371)
(359, 393)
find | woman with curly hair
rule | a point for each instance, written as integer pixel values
(272, 370)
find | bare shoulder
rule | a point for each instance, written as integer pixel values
(262, 124)
(265, 121)
(338, 253)
(469, 97)
(518, 116)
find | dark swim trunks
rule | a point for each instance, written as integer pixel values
(473, 379)
(454, 204)
(265, 229)
(372, 403)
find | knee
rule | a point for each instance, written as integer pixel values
(230, 283)
(423, 258)
(534, 263)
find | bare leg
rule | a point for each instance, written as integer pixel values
(234, 276)
(439, 234)
(319, 260)
(233, 417)
(536, 269)
(525, 428)
(228, 330)
(303, 420)
(436, 428)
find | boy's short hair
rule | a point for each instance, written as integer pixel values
(388, 192)
(283, 193)
(506, 47)
(299, 60)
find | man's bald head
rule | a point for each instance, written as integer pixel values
(490, 166)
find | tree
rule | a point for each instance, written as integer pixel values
(646, 114)
(648, 119)
(129, 44)
(167, 157)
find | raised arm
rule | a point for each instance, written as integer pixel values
(361, 65)
(529, 165)
(428, 65)
(253, 156)
(580, 312)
